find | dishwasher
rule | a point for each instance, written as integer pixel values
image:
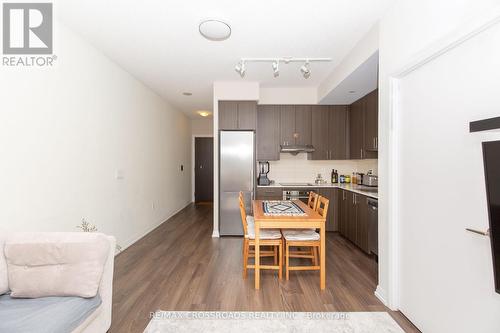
(373, 225)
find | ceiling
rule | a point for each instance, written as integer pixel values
(360, 82)
(158, 41)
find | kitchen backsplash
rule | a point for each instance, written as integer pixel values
(299, 169)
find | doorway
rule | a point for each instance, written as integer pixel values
(203, 169)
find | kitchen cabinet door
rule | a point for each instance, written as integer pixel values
(320, 116)
(228, 115)
(371, 125)
(247, 115)
(268, 133)
(356, 129)
(362, 222)
(337, 136)
(334, 210)
(269, 193)
(342, 212)
(287, 125)
(351, 216)
(303, 125)
(332, 216)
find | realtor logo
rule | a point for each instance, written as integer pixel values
(27, 28)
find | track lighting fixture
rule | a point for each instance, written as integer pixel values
(305, 69)
(240, 68)
(276, 68)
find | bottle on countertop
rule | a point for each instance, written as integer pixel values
(335, 176)
(342, 179)
(347, 179)
(354, 179)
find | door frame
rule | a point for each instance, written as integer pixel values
(193, 160)
(391, 148)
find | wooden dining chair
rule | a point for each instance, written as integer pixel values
(312, 202)
(268, 237)
(304, 238)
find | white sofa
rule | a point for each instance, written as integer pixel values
(99, 320)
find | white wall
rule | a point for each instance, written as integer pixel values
(361, 52)
(66, 131)
(434, 179)
(288, 95)
(202, 126)
(298, 168)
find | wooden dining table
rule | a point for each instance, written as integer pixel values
(311, 220)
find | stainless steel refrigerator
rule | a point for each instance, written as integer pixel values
(236, 173)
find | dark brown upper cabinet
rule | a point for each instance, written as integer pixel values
(295, 125)
(240, 115)
(320, 115)
(363, 127)
(303, 125)
(228, 115)
(337, 134)
(371, 124)
(268, 133)
(287, 125)
(357, 129)
(329, 132)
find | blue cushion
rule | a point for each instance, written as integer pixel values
(45, 314)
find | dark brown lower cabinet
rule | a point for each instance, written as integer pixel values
(343, 212)
(353, 218)
(332, 218)
(362, 222)
(269, 193)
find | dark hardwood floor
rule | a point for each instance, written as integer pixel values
(180, 267)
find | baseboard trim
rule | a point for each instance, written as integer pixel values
(134, 240)
(380, 294)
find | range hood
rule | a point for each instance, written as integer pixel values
(295, 149)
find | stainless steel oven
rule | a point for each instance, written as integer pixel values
(298, 194)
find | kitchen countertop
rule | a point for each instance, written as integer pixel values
(371, 192)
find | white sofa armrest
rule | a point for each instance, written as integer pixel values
(100, 322)
(106, 285)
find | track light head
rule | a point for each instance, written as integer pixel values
(240, 68)
(306, 71)
(276, 68)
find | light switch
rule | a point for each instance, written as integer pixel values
(119, 174)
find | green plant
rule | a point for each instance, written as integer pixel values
(87, 227)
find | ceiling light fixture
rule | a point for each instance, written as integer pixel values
(215, 30)
(240, 68)
(276, 68)
(305, 69)
(204, 113)
(187, 93)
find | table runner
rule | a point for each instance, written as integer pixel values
(281, 208)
